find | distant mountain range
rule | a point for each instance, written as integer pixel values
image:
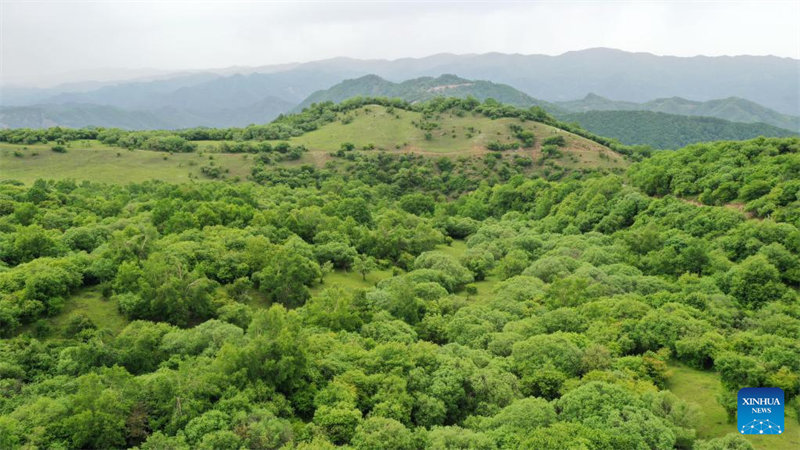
(186, 101)
(636, 77)
(669, 131)
(732, 108)
(241, 96)
(79, 115)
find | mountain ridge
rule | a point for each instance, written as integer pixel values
(773, 82)
(421, 89)
(669, 131)
(734, 109)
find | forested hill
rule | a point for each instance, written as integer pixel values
(671, 131)
(372, 308)
(425, 88)
(762, 176)
(733, 108)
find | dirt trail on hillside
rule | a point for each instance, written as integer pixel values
(734, 206)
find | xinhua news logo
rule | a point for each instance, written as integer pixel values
(760, 411)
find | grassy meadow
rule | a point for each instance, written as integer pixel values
(701, 388)
(91, 160)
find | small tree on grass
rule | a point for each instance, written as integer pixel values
(324, 269)
(364, 264)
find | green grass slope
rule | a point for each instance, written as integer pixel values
(91, 160)
(395, 131)
(701, 388)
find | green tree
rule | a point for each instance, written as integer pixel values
(755, 281)
(97, 418)
(24, 213)
(379, 433)
(364, 264)
(339, 422)
(334, 308)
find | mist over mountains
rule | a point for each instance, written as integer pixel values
(767, 86)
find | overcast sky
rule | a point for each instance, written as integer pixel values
(43, 42)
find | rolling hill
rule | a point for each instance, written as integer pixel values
(732, 108)
(661, 130)
(370, 129)
(424, 88)
(394, 130)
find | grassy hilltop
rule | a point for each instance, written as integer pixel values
(375, 126)
(369, 128)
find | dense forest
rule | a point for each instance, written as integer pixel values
(384, 307)
(761, 176)
(669, 131)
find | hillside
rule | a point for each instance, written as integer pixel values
(766, 186)
(452, 135)
(662, 131)
(339, 134)
(422, 89)
(733, 109)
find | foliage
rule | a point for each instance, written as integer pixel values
(550, 323)
(761, 173)
(669, 131)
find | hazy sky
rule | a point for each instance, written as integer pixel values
(49, 41)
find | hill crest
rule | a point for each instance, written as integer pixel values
(422, 89)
